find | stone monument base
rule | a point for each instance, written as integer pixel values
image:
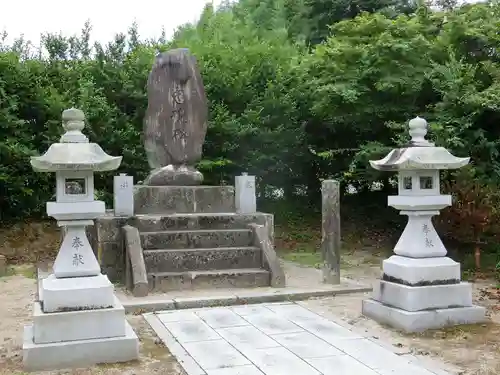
(420, 294)
(152, 200)
(174, 175)
(77, 322)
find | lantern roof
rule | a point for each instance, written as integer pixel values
(74, 152)
(421, 154)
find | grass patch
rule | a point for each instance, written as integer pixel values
(26, 270)
(305, 258)
(302, 244)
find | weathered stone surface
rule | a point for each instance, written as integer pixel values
(136, 275)
(196, 239)
(174, 176)
(3, 265)
(270, 259)
(175, 124)
(109, 236)
(109, 227)
(156, 223)
(232, 278)
(150, 200)
(330, 238)
(112, 260)
(203, 259)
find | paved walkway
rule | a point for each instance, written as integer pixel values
(272, 339)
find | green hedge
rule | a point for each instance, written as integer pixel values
(288, 112)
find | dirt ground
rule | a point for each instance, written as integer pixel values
(474, 349)
(467, 349)
(17, 293)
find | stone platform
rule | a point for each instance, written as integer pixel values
(77, 322)
(78, 353)
(183, 199)
(274, 339)
(419, 321)
(187, 237)
(417, 294)
(107, 235)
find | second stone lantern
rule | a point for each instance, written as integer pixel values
(420, 287)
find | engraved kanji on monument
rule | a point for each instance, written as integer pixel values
(175, 124)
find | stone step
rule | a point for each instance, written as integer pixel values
(196, 239)
(231, 278)
(157, 223)
(179, 260)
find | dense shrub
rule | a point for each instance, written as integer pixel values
(297, 92)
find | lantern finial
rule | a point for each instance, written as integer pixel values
(418, 131)
(73, 123)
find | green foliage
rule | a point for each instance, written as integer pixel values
(299, 90)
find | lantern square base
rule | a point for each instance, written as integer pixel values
(420, 298)
(77, 293)
(82, 353)
(421, 271)
(418, 321)
(78, 325)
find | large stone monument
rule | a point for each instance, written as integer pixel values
(421, 287)
(78, 321)
(184, 235)
(176, 120)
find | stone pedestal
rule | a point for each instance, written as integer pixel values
(420, 287)
(420, 294)
(77, 322)
(153, 200)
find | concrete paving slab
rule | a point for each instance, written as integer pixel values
(340, 365)
(279, 361)
(215, 354)
(306, 345)
(247, 337)
(221, 318)
(237, 370)
(272, 324)
(191, 331)
(274, 339)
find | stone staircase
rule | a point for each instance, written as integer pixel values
(188, 238)
(200, 251)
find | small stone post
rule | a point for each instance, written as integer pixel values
(123, 191)
(3, 265)
(246, 201)
(330, 231)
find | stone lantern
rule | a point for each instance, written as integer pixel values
(421, 287)
(78, 321)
